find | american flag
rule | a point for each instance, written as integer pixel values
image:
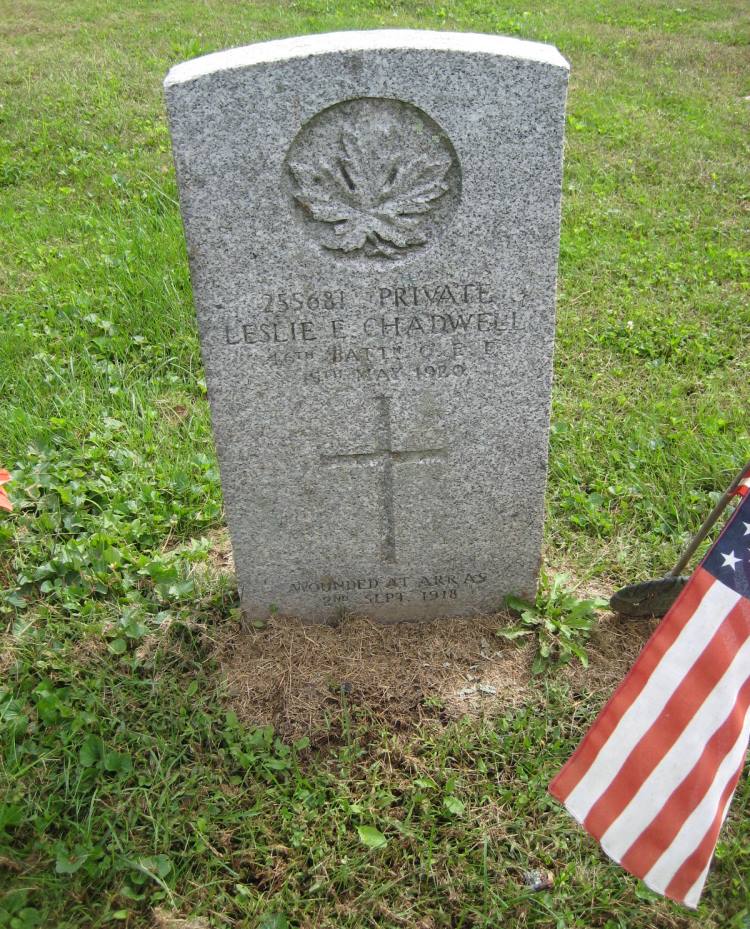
(653, 778)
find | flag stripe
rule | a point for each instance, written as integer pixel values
(659, 643)
(686, 858)
(659, 760)
(650, 844)
(692, 897)
(646, 707)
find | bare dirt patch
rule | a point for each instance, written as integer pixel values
(299, 678)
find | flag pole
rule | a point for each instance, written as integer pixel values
(708, 523)
(653, 598)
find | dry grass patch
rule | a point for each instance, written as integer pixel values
(165, 920)
(298, 677)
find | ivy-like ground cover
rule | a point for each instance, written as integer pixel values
(125, 782)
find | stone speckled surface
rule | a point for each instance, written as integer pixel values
(372, 222)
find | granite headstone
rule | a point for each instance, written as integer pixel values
(372, 222)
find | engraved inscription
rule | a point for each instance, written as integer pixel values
(419, 331)
(373, 177)
(386, 456)
(284, 301)
(338, 590)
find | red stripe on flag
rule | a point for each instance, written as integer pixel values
(692, 868)
(659, 834)
(653, 652)
(694, 688)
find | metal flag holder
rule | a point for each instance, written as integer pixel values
(654, 598)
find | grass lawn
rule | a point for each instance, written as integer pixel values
(131, 792)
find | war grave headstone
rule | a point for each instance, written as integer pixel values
(372, 221)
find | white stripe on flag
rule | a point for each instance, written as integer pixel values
(700, 820)
(664, 680)
(679, 760)
(692, 897)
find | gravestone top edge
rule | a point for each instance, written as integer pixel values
(364, 40)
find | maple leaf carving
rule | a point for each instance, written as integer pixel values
(372, 191)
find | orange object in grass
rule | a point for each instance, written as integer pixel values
(5, 503)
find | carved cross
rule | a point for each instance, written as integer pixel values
(387, 457)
